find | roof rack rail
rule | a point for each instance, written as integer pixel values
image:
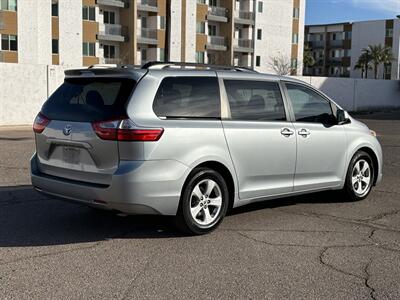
(102, 66)
(164, 65)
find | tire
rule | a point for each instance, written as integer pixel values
(200, 211)
(358, 185)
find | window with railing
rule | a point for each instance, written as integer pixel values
(10, 5)
(89, 13)
(9, 42)
(216, 40)
(148, 33)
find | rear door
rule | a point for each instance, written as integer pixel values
(69, 146)
(321, 143)
(260, 138)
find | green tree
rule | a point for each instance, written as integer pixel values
(387, 59)
(363, 64)
(376, 55)
(308, 59)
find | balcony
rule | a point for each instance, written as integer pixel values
(113, 3)
(147, 36)
(217, 43)
(244, 17)
(113, 33)
(147, 5)
(335, 61)
(336, 43)
(243, 45)
(316, 44)
(218, 14)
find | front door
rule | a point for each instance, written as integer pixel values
(321, 143)
(261, 141)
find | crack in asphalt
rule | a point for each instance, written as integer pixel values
(367, 278)
(132, 282)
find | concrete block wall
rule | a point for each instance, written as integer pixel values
(25, 87)
(358, 94)
(23, 90)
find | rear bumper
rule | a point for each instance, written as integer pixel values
(137, 187)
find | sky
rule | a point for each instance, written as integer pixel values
(335, 11)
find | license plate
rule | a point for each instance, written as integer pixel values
(71, 155)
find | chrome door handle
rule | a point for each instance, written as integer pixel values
(287, 132)
(304, 132)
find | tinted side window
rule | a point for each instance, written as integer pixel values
(309, 106)
(188, 97)
(255, 100)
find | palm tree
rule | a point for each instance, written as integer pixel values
(387, 59)
(363, 64)
(376, 53)
(308, 59)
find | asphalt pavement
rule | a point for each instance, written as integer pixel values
(310, 247)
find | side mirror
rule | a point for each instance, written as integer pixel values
(342, 117)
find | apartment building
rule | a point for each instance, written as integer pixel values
(337, 47)
(247, 33)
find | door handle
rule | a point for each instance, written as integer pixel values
(304, 132)
(287, 132)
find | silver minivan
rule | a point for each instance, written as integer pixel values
(189, 142)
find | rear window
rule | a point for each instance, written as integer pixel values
(188, 97)
(89, 99)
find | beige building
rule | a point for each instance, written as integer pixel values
(337, 47)
(85, 32)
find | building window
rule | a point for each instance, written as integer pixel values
(347, 35)
(89, 13)
(336, 53)
(212, 30)
(54, 8)
(389, 32)
(9, 42)
(143, 54)
(109, 17)
(201, 27)
(162, 54)
(260, 6)
(200, 57)
(259, 34)
(258, 61)
(89, 49)
(109, 51)
(9, 5)
(294, 63)
(213, 3)
(296, 13)
(162, 22)
(54, 46)
(295, 38)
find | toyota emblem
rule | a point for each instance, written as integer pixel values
(67, 130)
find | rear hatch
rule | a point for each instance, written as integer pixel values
(72, 144)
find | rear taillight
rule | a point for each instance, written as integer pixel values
(126, 130)
(40, 123)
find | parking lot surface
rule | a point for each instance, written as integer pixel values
(314, 246)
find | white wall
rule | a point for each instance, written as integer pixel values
(396, 49)
(175, 35)
(276, 24)
(363, 35)
(190, 38)
(24, 88)
(34, 32)
(70, 23)
(358, 94)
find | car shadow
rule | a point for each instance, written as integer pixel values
(29, 219)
